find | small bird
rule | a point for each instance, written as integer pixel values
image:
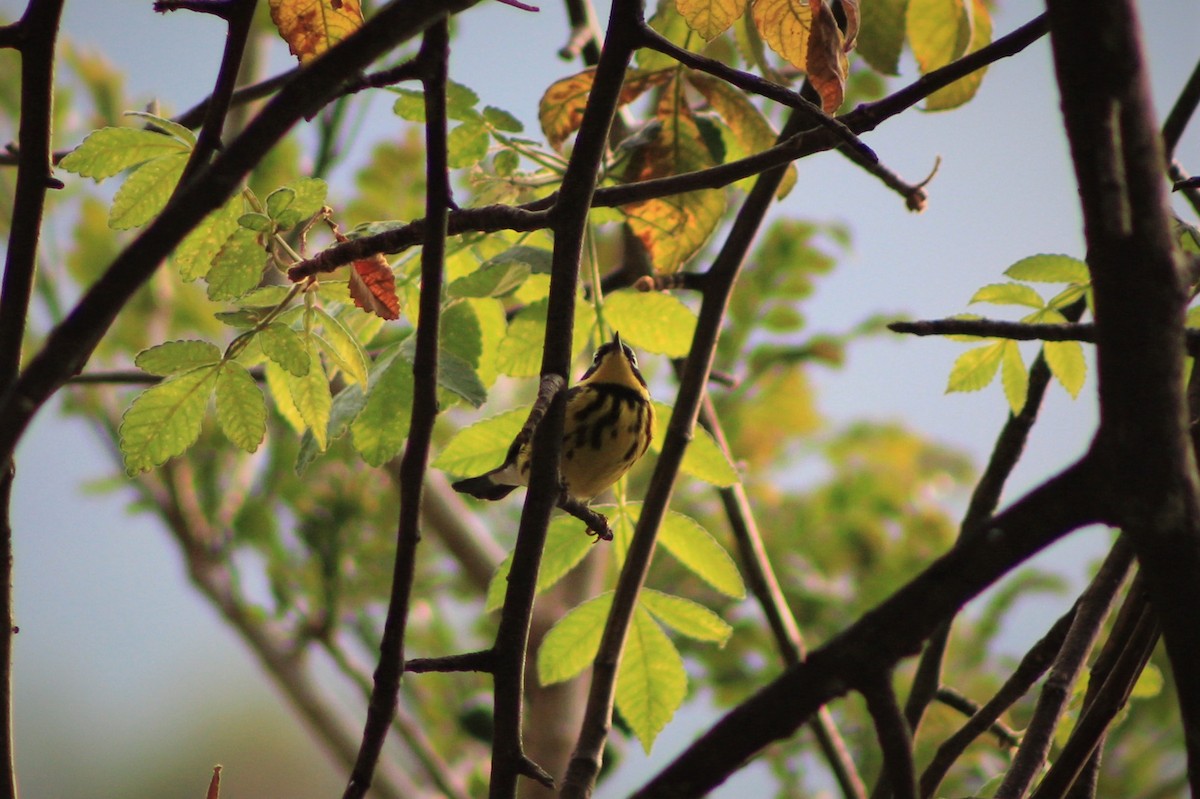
(608, 427)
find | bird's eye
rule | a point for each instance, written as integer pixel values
(630, 355)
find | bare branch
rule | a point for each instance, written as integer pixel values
(895, 741)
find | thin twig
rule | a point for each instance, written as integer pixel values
(895, 740)
(953, 699)
(434, 56)
(483, 661)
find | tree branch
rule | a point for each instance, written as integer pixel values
(880, 638)
(895, 740)
(434, 56)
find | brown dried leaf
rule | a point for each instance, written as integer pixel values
(850, 8)
(560, 110)
(310, 27)
(373, 287)
(827, 64)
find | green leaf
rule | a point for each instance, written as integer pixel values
(693, 546)
(651, 681)
(308, 198)
(962, 90)
(342, 347)
(285, 347)
(237, 267)
(1149, 684)
(177, 356)
(520, 353)
(686, 617)
(346, 406)
(1049, 269)
(1009, 294)
(975, 368)
(467, 144)
(241, 412)
(459, 377)
(1014, 377)
(571, 644)
(167, 126)
(278, 201)
(1067, 364)
(939, 31)
(410, 105)
(881, 34)
(460, 101)
(164, 420)
(703, 459)
(565, 547)
(490, 280)
(194, 255)
(146, 191)
(278, 381)
(310, 394)
(381, 427)
(110, 151)
(652, 321)
(259, 223)
(500, 119)
(264, 297)
(481, 446)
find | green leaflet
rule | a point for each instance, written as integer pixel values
(237, 267)
(520, 353)
(571, 645)
(286, 347)
(703, 459)
(164, 420)
(346, 406)
(381, 427)
(652, 321)
(310, 397)
(693, 546)
(110, 151)
(146, 191)
(651, 681)
(241, 412)
(1049, 269)
(1009, 294)
(566, 546)
(1067, 364)
(176, 356)
(342, 348)
(481, 446)
(686, 617)
(194, 255)
(975, 368)
(1014, 377)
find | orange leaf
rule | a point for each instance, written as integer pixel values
(310, 27)
(373, 287)
(560, 110)
(214, 785)
(827, 64)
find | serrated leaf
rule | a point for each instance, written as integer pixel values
(963, 89)
(651, 681)
(571, 644)
(481, 446)
(346, 406)
(194, 255)
(379, 430)
(459, 377)
(785, 26)
(670, 23)
(565, 547)
(520, 351)
(237, 267)
(827, 65)
(342, 348)
(146, 191)
(710, 18)
(110, 151)
(278, 201)
(490, 280)
(1067, 364)
(241, 412)
(310, 394)
(168, 126)
(703, 459)
(693, 546)
(308, 197)
(560, 111)
(310, 27)
(939, 31)
(264, 297)
(467, 144)
(975, 368)
(652, 321)
(372, 286)
(1009, 294)
(259, 223)
(277, 382)
(881, 37)
(164, 420)
(1014, 377)
(177, 356)
(500, 119)
(686, 617)
(409, 105)
(1049, 269)
(461, 101)
(286, 347)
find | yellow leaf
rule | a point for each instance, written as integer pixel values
(785, 25)
(964, 89)
(560, 111)
(710, 18)
(310, 27)
(939, 31)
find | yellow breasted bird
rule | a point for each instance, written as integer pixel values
(608, 427)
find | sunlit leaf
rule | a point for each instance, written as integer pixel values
(467, 144)
(827, 65)
(670, 23)
(652, 321)
(1014, 377)
(286, 347)
(710, 18)
(1009, 294)
(785, 26)
(1049, 269)
(520, 353)
(373, 287)
(686, 617)
(490, 280)
(164, 420)
(975, 368)
(277, 383)
(176, 356)
(237, 267)
(500, 119)
(381, 427)
(241, 412)
(481, 446)
(194, 255)
(571, 644)
(565, 547)
(963, 89)
(310, 27)
(651, 681)
(146, 191)
(939, 31)
(311, 397)
(340, 345)
(560, 111)
(347, 404)
(693, 546)
(1067, 364)
(110, 151)
(703, 459)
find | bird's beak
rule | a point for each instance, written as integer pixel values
(616, 339)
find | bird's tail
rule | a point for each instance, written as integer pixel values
(484, 486)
